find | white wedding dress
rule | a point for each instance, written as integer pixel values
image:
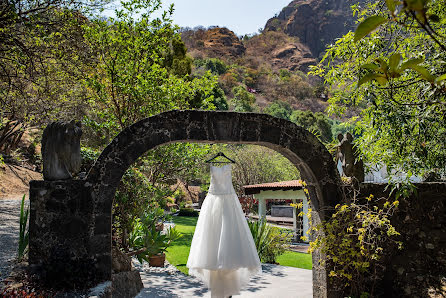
(223, 253)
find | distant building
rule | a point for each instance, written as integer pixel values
(378, 174)
(285, 190)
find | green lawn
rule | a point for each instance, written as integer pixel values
(178, 252)
(295, 259)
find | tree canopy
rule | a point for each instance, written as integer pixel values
(393, 70)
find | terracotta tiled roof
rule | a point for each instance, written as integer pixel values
(283, 185)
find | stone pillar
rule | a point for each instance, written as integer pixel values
(59, 232)
(262, 208)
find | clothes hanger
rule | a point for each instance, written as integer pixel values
(218, 155)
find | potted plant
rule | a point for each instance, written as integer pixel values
(158, 244)
(149, 243)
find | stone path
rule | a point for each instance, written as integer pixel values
(9, 229)
(275, 281)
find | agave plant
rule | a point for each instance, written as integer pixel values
(269, 241)
(261, 233)
(23, 233)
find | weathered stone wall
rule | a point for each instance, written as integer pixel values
(60, 220)
(421, 220)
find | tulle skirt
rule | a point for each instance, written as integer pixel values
(223, 254)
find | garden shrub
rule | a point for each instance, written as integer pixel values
(146, 239)
(188, 212)
(89, 156)
(270, 241)
(355, 239)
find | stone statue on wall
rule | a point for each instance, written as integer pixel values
(61, 150)
(352, 166)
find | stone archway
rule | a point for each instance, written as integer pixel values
(301, 147)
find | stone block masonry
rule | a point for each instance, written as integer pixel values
(420, 265)
(59, 233)
(64, 249)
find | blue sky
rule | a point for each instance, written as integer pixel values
(240, 16)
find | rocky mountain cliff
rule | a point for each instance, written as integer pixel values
(315, 22)
(272, 65)
(223, 42)
(280, 51)
(291, 40)
(276, 49)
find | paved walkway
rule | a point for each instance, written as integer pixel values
(9, 234)
(275, 281)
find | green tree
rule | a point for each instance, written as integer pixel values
(41, 60)
(395, 75)
(243, 101)
(280, 109)
(219, 99)
(133, 78)
(176, 60)
(284, 74)
(314, 122)
(215, 65)
(142, 69)
(22, 21)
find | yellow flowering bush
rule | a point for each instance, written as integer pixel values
(356, 236)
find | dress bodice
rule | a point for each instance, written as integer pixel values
(221, 180)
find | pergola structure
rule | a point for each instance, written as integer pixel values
(285, 190)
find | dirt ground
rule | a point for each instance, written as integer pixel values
(14, 181)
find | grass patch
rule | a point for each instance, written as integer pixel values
(178, 252)
(295, 259)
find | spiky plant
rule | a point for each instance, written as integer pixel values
(24, 232)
